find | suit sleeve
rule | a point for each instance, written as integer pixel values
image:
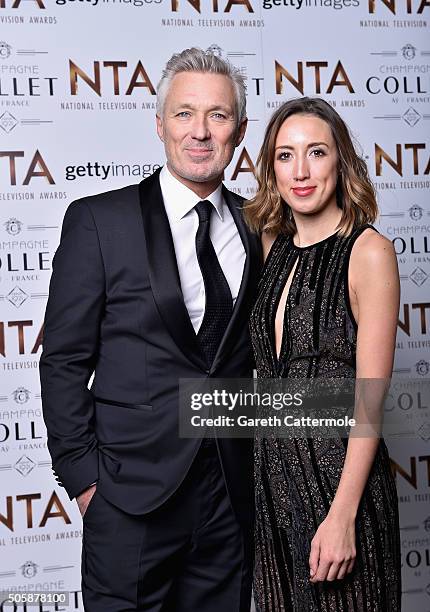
(70, 348)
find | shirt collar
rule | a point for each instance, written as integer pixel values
(179, 199)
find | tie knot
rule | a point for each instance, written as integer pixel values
(204, 209)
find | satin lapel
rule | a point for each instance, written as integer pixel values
(163, 270)
(241, 306)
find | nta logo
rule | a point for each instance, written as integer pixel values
(138, 79)
(15, 4)
(37, 167)
(338, 77)
(410, 150)
(214, 4)
(391, 6)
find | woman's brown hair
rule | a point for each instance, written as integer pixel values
(355, 194)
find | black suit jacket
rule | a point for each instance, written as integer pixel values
(116, 308)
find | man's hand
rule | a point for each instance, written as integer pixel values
(84, 499)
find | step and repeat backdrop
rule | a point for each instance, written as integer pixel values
(77, 116)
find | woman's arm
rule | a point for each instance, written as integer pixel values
(374, 291)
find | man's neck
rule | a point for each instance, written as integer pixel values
(201, 189)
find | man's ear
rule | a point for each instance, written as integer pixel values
(160, 130)
(241, 131)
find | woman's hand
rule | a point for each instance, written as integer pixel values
(332, 549)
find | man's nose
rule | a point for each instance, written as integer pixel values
(200, 128)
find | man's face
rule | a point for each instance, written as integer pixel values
(199, 128)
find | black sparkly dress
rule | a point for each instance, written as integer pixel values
(296, 479)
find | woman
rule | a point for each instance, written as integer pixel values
(327, 534)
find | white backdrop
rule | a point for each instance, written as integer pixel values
(77, 116)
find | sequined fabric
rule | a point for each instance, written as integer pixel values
(296, 479)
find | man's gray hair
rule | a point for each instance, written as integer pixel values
(197, 60)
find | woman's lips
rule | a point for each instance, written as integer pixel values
(302, 192)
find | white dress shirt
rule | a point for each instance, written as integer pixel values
(179, 202)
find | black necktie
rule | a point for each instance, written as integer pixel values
(219, 303)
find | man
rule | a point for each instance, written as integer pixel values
(153, 283)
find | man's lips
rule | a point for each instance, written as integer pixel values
(199, 151)
(302, 192)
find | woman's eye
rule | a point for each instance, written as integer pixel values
(317, 152)
(284, 156)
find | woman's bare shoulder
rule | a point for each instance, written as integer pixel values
(373, 260)
(372, 248)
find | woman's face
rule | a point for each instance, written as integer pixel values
(306, 164)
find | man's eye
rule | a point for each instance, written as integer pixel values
(218, 116)
(183, 114)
